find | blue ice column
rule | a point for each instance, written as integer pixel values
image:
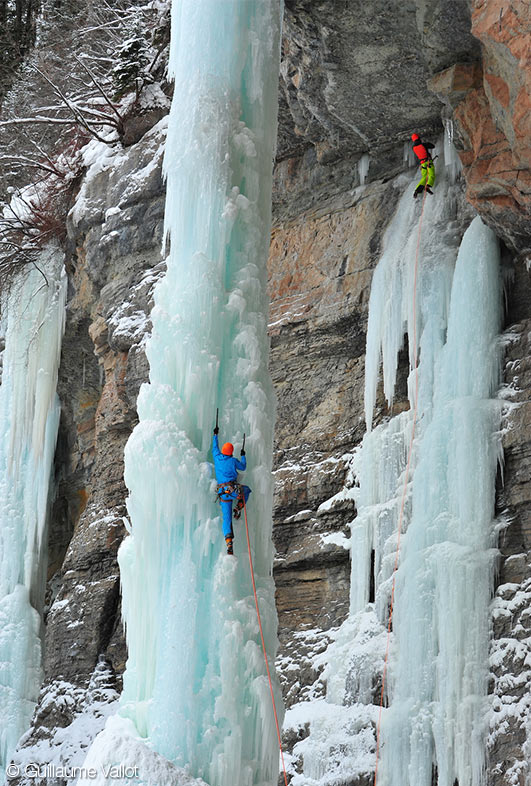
(195, 684)
(33, 320)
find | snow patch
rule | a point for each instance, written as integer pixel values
(120, 742)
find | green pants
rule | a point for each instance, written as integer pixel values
(427, 170)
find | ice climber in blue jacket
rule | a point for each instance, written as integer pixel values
(228, 489)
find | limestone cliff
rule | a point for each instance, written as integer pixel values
(356, 78)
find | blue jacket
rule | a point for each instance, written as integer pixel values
(226, 466)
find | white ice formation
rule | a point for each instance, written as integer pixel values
(438, 659)
(33, 312)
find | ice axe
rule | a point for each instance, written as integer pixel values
(243, 445)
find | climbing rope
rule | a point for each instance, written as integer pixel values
(404, 491)
(263, 645)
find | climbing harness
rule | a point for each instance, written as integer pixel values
(227, 488)
(231, 488)
(263, 646)
(404, 491)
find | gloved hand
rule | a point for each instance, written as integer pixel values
(242, 452)
(216, 430)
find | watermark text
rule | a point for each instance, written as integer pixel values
(35, 770)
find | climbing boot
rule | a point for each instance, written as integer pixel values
(238, 507)
(417, 191)
(428, 189)
(228, 541)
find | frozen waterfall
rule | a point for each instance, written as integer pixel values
(438, 676)
(32, 323)
(195, 686)
(436, 684)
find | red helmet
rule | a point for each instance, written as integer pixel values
(414, 137)
(227, 449)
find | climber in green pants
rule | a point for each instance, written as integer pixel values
(427, 167)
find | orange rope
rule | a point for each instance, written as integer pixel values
(404, 492)
(263, 645)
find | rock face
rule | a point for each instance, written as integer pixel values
(115, 231)
(353, 81)
(320, 272)
(487, 98)
(491, 108)
(509, 750)
(354, 73)
(117, 236)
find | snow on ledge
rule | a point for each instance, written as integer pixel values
(120, 742)
(336, 539)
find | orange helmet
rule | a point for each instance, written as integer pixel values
(227, 449)
(414, 137)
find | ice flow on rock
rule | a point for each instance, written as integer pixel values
(33, 313)
(437, 668)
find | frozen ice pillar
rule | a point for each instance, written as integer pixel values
(439, 658)
(33, 320)
(195, 688)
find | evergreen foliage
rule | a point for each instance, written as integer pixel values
(132, 57)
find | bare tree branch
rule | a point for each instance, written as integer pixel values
(26, 161)
(20, 121)
(90, 127)
(100, 89)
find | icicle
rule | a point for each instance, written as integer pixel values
(452, 161)
(392, 290)
(409, 157)
(33, 315)
(363, 168)
(195, 687)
